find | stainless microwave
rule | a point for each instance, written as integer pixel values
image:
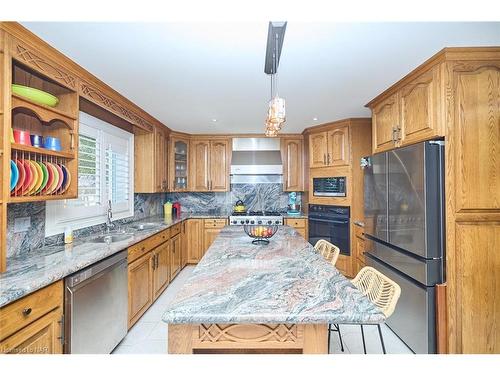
(329, 186)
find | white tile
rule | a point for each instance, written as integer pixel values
(138, 333)
(159, 332)
(150, 347)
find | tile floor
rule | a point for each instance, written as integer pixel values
(149, 334)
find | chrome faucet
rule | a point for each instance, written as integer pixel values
(109, 223)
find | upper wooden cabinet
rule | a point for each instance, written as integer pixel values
(292, 151)
(329, 148)
(209, 164)
(318, 148)
(179, 164)
(409, 115)
(151, 161)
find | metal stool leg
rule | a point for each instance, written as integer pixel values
(381, 338)
(329, 335)
(340, 337)
(363, 337)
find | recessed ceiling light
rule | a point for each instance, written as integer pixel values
(214, 120)
(315, 119)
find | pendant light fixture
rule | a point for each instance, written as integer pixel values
(276, 113)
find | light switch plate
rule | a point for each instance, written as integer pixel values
(22, 224)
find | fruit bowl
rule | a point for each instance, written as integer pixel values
(260, 233)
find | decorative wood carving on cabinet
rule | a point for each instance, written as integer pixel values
(37, 61)
(292, 151)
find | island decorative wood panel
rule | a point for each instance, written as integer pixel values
(251, 338)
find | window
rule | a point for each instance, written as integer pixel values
(105, 173)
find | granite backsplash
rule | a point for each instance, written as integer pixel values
(144, 205)
(255, 196)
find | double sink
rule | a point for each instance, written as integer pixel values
(122, 236)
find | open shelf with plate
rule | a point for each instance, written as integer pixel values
(44, 167)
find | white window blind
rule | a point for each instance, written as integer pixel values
(105, 173)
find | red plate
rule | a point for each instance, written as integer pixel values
(22, 174)
(28, 177)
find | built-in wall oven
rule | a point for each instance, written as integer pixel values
(332, 224)
(329, 186)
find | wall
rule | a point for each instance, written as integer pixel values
(144, 205)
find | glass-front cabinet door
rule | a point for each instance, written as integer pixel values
(179, 164)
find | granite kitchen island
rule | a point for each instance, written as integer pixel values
(245, 298)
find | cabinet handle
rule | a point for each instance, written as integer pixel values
(324, 158)
(27, 311)
(394, 130)
(72, 141)
(328, 158)
(61, 323)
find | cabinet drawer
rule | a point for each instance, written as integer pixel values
(296, 223)
(20, 313)
(359, 231)
(215, 223)
(176, 229)
(141, 248)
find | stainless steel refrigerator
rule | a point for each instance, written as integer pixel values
(404, 231)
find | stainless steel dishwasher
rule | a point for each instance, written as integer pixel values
(96, 306)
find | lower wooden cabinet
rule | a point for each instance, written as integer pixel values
(140, 287)
(194, 234)
(175, 255)
(212, 230)
(161, 268)
(299, 224)
(358, 249)
(184, 244)
(34, 324)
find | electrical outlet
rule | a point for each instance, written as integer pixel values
(22, 224)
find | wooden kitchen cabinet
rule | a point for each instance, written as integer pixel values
(338, 147)
(151, 161)
(299, 224)
(184, 244)
(209, 164)
(175, 255)
(220, 157)
(161, 268)
(330, 148)
(194, 234)
(385, 120)
(178, 163)
(212, 228)
(358, 248)
(292, 154)
(34, 324)
(318, 149)
(411, 115)
(140, 287)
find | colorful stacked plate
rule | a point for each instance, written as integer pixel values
(45, 177)
(20, 181)
(14, 174)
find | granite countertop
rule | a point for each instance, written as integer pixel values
(31, 271)
(283, 282)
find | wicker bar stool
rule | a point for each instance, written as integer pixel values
(379, 289)
(331, 253)
(328, 251)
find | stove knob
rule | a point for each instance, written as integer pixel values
(242, 222)
(246, 221)
(269, 221)
(259, 222)
(277, 222)
(252, 222)
(234, 222)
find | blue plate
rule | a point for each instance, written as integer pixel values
(14, 174)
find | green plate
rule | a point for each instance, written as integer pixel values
(38, 96)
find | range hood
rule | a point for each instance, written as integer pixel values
(256, 157)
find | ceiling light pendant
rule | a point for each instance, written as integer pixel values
(276, 113)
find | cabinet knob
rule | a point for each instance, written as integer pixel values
(27, 311)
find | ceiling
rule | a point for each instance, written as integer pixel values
(187, 74)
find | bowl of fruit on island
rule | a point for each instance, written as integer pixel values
(260, 233)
